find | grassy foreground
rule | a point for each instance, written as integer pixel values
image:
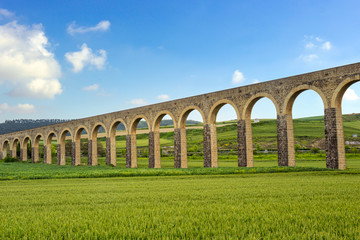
(306, 205)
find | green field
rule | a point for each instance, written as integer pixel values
(306, 205)
(39, 201)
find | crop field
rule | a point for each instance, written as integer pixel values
(304, 205)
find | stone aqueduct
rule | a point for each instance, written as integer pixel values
(330, 84)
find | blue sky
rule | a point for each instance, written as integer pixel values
(74, 59)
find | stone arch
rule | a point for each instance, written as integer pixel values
(185, 113)
(156, 136)
(131, 145)
(62, 143)
(111, 140)
(286, 122)
(115, 124)
(13, 147)
(93, 147)
(24, 148)
(247, 132)
(135, 122)
(217, 106)
(159, 117)
(246, 113)
(35, 147)
(295, 92)
(48, 145)
(340, 90)
(77, 142)
(4, 147)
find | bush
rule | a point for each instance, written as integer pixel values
(10, 159)
(354, 150)
(297, 147)
(315, 150)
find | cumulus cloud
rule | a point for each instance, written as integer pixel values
(20, 108)
(138, 102)
(93, 87)
(86, 57)
(163, 97)
(4, 13)
(350, 95)
(26, 64)
(238, 77)
(309, 58)
(100, 27)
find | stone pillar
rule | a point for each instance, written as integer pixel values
(92, 151)
(111, 150)
(23, 153)
(110, 159)
(177, 148)
(60, 154)
(241, 140)
(285, 140)
(131, 154)
(34, 154)
(154, 150)
(47, 154)
(128, 151)
(151, 150)
(249, 143)
(210, 146)
(13, 152)
(334, 139)
(75, 153)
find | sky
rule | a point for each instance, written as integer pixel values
(75, 59)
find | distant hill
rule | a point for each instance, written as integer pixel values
(23, 124)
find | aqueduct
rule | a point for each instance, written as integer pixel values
(330, 84)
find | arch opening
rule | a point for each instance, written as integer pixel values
(261, 125)
(5, 149)
(66, 148)
(38, 149)
(118, 143)
(192, 138)
(50, 153)
(26, 149)
(98, 137)
(306, 126)
(81, 147)
(225, 118)
(164, 141)
(349, 102)
(140, 143)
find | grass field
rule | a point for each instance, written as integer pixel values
(306, 205)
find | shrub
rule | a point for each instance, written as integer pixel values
(10, 159)
(297, 147)
(354, 150)
(315, 150)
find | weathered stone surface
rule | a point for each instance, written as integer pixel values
(128, 151)
(108, 151)
(90, 152)
(207, 145)
(73, 154)
(282, 141)
(241, 137)
(151, 150)
(177, 148)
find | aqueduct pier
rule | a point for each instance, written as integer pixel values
(330, 84)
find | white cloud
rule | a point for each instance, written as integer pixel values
(309, 45)
(86, 57)
(309, 58)
(238, 77)
(350, 95)
(5, 13)
(138, 102)
(101, 27)
(93, 87)
(20, 108)
(326, 46)
(256, 81)
(25, 63)
(163, 97)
